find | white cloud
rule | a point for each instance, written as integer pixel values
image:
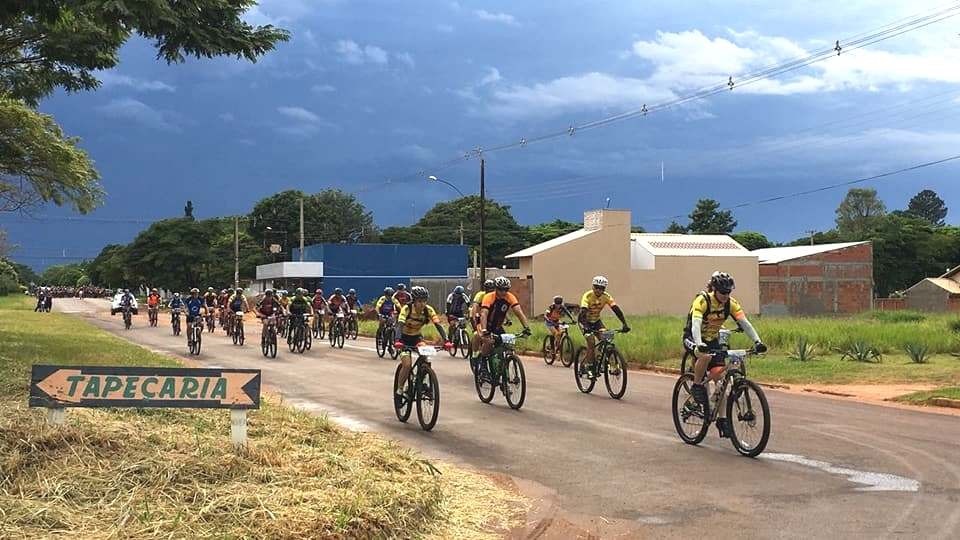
(113, 79)
(418, 153)
(352, 52)
(445, 28)
(492, 76)
(303, 123)
(323, 88)
(406, 58)
(227, 117)
(500, 17)
(138, 112)
(298, 113)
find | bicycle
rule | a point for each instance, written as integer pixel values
(734, 394)
(384, 339)
(337, 329)
(127, 318)
(461, 340)
(210, 321)
(300, 336)
(175, 321)
(283, 324)
(236, 328)
(502, 369)
(318, 330)
(610, 362)
(565, 349)
(353, 326)
(689, 359)
(425, 390)
(268, 339)
(195, 335)
(152, 313)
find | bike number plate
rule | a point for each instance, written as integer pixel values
(426, 350)
(508, 339)
(340, 315)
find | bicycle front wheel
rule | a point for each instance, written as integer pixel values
(687, 414)
(566, 351)
(307, 339)
(428, 398)
(466, 347)
(687, 362)
(483, 380)
(546, 350)
(584, 381)
(515, 383)
(381, 343)
(402, 405)
(340, 338)
(615, 374)
(748, 416)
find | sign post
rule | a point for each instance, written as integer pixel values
(59, 387)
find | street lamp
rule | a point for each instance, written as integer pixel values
(432, 178)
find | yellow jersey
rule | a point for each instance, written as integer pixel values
(714, 313)
(411, 319)
(594, 304)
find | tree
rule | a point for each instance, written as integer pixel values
(707, 218)
(329, 216)
(169, 254)
(62, 43)
(675, 228)
(826, 237)
(218, 266)
(858, 213)
(9, 280)
(929, 206)
(62, 275)
(110, 268)
(896, 241)
(537, 234)
(24, 272)
(441, 225)
(752, 240)
(39, 164)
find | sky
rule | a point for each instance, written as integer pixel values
(374, 96)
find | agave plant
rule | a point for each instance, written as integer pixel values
(861, 351)
(803, 351)
(918, 352)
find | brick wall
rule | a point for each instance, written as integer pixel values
(890, 304)
(838, 282)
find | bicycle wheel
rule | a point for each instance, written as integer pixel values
(546, 350)
(746, 407)
(687, 362)
(235, 335)
(515, 382)
(265, 344)
(482, 380)
(307, 339)
(381, 342)
(401, 404)
(615, 374)
(566, 351)
(455, 339)
(394, 352)
(272, 343)
(466, 347)
(687, 414)
(333, 335)
(239, 330)
(323, 330)
(354, 329)
(428, 398)
(584, 381)
(340, 339)
(299, 341)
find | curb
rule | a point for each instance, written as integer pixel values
(945, 402)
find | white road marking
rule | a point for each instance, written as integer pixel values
(873, 481)
(334, 415)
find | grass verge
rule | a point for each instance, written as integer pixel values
(926, 398)
(151, 473)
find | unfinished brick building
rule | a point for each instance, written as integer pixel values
(825, 279)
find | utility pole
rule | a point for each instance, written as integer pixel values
(811, 232)
(236, 252)
(301, 230)
(483, 220)
(461, 232)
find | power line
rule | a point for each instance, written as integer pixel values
(822, 188)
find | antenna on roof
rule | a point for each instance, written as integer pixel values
(811, 232)
(608, 202)
(661, 172)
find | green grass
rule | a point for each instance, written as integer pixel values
(172, 473)
(655, 341)
(923, 398)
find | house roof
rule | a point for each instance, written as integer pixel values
(948, 285)
(780, 254)
(550, 244)
(951, 272)
(689, 245)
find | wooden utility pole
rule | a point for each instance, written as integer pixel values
(483, 220)
(236, 252)
(811, 232)
(301, 230)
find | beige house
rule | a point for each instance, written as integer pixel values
(648, 273)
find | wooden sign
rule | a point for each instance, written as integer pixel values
(105, 386)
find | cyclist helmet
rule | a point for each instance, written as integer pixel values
(558, 300)
(401, 287)
(301, 291)
(352, 292)
(488, 285)
(194, 291)
(268, 292)
(223, 291)
(388, 291)
(722, 282)
(176, 295)
(338, 290)
(600, 281)
(209, 289)
(501, 283)
(239, 290)
(153, 289)
(458, 289)
(318, 291)
(419, 293)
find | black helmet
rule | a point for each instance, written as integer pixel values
(722, 282)
(338, 290)
(388, 291)
(401, 287)
(558, 300)
(419, 293)
(488, 285)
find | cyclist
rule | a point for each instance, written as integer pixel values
(475, 311)
(196, 306)
(411, 319)
(319, 303)
(457, 303)
(710, 309)
(493, 315)
(353, 304)
(126, 301)
(336, 301)
(176, 304)
(283, 299)
(237, 302)
(210, 301)
(591, 304)
(268, 307)
(402, 297)
(298, 306)
(385, 307)
(153, 300)
(551, 317)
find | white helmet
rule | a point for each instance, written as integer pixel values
(599, 281)
(501, 283)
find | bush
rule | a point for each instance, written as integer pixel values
(860, 351)
(954, 325)
(918, 353)
(898, 316)
(803, 351)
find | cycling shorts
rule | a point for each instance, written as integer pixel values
(410, 341)
(593, 327)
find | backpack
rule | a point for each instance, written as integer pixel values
(687, 330)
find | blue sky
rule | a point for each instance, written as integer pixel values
(368, 91)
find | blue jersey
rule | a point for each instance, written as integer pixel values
(176, 303)
(194, 306)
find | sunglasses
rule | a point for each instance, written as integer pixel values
(720, 291)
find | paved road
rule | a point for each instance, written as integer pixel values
(617, 469)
